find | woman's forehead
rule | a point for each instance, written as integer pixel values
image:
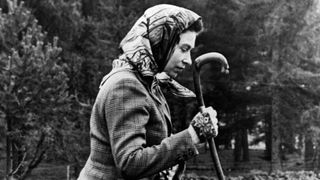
(188, 38)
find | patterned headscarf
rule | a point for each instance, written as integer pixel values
(149, 44)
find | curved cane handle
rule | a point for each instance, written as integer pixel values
(198, 63)
(210, 57)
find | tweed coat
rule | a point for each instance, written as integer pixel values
(131, 132)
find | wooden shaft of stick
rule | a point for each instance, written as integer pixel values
(201, 60)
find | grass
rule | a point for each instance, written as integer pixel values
(201, 166)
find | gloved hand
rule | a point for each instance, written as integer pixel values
(205, 125)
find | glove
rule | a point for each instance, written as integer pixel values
(204, 125)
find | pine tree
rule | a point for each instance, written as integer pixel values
(33, 90)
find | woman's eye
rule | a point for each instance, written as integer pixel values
(184, 49)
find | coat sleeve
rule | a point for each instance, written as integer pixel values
(127, 113)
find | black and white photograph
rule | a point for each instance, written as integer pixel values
(159, 90)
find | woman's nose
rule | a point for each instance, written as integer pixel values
(187, 60)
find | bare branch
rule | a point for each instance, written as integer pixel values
(13, 172)
(36, 159)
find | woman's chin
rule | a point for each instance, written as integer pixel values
(173, 75)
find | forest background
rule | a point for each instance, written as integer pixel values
(53, 55)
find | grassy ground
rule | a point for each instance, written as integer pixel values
(45, 171)
(49, 172)
(200, 167)
(202, 164)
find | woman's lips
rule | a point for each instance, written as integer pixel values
(180, 68)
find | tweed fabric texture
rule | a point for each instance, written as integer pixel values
(131, 132)
(130, 124)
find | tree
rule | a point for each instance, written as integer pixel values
(311, 125)
(270, 69)
(285, 65)
(33, 90)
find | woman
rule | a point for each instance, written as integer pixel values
(130, 125)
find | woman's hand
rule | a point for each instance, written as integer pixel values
(204, 125)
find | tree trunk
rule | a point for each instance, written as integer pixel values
(317, 158)
(275, 117)
(237, 147)
(241, 150)
(268, 138)
(245, 145)
(308, 152)
(275, 135)
(9, 160)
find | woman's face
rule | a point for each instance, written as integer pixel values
(181, 56)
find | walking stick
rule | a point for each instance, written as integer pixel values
(198, 63)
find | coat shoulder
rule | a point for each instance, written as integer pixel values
(119, 76)
(123, 80)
